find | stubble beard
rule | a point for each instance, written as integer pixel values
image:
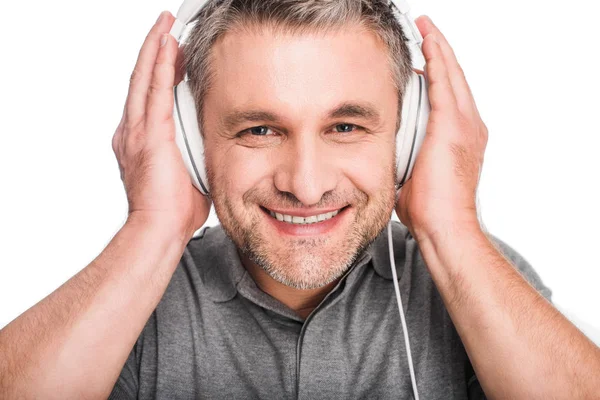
(304, 263)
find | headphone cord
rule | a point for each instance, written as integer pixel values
(401, 311)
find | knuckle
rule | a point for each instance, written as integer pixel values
(163, 65)
(462, 120)
(135, 76)
(154, 88)
(484, 130)
(115, 143)
(162, 70)
(484, 137)
(132, 125)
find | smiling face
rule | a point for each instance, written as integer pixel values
(299, 138)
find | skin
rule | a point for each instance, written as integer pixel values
(74, 343)
(539, 353)
(305, 160)
(520, 346)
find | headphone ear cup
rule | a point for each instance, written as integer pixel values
(410, 136)
(188, 137)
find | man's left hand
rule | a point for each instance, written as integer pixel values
(440, 197)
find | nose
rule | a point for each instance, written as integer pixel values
(306, 169)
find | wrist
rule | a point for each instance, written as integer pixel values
(447, 231)
(163, 224)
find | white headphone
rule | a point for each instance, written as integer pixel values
(414, 117)
(413, 124)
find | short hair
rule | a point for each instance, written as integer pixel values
(218, 17)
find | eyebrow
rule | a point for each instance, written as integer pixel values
(363, 110)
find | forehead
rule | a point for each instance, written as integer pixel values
(300, 74)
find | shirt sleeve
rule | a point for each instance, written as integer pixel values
(523, 266)
(126, 387)
(474, 390)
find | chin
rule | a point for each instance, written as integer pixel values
(306, 272)
(304, 263)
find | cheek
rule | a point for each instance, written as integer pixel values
(238, 169)
(370, 169)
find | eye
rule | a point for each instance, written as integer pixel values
(349, 128)
(345, 128)
(256, 131)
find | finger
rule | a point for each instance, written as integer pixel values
(462, 91)
(160, 94)
(117, 136)
(441, 93)
(142, 73)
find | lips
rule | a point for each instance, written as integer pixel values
(305, 225)
(293, 219)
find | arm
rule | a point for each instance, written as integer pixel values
(74, 342)
(520, 346)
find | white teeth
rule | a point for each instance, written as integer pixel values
(304, 220)
(311, 220)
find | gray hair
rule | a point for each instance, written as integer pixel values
(294, 17)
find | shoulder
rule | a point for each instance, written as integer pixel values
(408, 253)
(522, 265)
(209, 267)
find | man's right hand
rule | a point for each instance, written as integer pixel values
(157, 184)
(74, 343)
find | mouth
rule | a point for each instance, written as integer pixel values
(303, 220)
(309, 224)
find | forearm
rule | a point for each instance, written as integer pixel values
(520, 346)
(74, 343)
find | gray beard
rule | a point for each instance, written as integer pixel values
(281, 271)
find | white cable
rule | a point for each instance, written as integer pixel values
(405, 330)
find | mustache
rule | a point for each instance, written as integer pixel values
(331, 199)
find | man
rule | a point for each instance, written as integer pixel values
(299, 120)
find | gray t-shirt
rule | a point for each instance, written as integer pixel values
(216, 335)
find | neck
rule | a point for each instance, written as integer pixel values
(302, 301)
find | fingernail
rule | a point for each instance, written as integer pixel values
(160, 17)
(163, 39)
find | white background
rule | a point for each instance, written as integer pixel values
(532, 65)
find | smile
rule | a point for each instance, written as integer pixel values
(298, 220)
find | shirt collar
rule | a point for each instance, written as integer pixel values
(222, 270)
(380, 256)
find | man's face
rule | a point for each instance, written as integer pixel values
(301, 125)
